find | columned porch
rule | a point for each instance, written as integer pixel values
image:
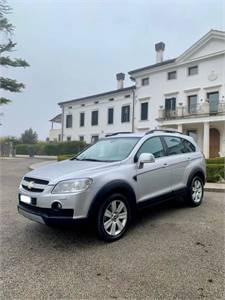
(209, 133)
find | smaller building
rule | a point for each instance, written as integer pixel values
(92, 117)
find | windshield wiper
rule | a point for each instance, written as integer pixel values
(90, 159)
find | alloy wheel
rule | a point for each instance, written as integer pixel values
(197, 191)
(115, 217)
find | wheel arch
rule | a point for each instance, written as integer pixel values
(116, 186)
(196, 172)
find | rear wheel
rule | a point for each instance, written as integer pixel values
(113, 217)
(195, 191)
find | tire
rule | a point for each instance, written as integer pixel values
(195, 192)
(113, 217)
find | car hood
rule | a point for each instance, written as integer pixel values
(69, 169)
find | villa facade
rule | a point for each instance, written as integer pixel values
(186, 93)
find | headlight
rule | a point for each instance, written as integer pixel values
(72, 186)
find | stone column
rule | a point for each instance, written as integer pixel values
(180, 127)
(206, 140)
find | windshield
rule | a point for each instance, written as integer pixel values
(114, 149)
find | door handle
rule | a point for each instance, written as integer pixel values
(165, 165)
(188, 158)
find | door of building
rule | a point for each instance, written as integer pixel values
(214, 147)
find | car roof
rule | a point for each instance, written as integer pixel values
(145, 134)
(156, 132)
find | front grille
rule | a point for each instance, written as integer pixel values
(49, 212)
(32, 189)
(35, 185)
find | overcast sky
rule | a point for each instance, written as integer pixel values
(75, 48)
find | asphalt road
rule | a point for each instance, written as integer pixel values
(171, 252)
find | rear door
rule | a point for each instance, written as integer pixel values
(154, 179)
(178, 160)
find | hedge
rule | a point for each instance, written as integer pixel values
(63, 157)
(43, 148)
(217, 160)
(215, 172)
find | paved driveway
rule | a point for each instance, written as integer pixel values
(171, 252)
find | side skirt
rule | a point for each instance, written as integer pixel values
(162, 198)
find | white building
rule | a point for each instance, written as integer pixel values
(90, 118)
(186, 93)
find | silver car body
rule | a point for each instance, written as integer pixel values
(166, 175)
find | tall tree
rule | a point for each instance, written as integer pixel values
(29, 136)
(6, 30)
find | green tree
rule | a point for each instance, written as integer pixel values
(8, 139)
(29, 137)
(6, 30)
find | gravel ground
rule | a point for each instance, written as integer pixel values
(171, 252)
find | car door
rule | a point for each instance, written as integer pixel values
(153, 179)
(178, 161)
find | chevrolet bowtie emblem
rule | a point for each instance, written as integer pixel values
(30, 185)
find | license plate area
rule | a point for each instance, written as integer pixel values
(28, 200)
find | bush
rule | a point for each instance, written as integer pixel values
(43, 148)
(217, 160)
(63, 157)
(215, 172)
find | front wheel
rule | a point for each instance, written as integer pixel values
(195, 192)
(113, 217)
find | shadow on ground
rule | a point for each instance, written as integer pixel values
(84, 234)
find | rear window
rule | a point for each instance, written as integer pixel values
(177, 145)
(189, 146)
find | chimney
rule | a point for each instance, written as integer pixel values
(159, 48)
(120, 80)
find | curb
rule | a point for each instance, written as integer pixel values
(214, 190)
(37, 156)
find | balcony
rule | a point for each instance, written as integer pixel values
(197, 110)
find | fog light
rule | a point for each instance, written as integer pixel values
(56, 205)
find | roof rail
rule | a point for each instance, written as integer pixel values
(164, 130)
(116, 133)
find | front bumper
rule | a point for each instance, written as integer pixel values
(46, 215)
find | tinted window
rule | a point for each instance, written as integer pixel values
(94, 118)
(82, 119)
(152, 145)
(144, 111)
(189, 147)
(175, 145)
(110, 116)
(125, 114)
(69, 121)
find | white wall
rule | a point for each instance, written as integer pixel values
(160, 88)
(54, 134)
(103, 127)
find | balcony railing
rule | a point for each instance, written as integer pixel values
(192, 110)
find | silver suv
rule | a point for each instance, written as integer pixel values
(110, 180)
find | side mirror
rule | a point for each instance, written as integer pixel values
(145, 158)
